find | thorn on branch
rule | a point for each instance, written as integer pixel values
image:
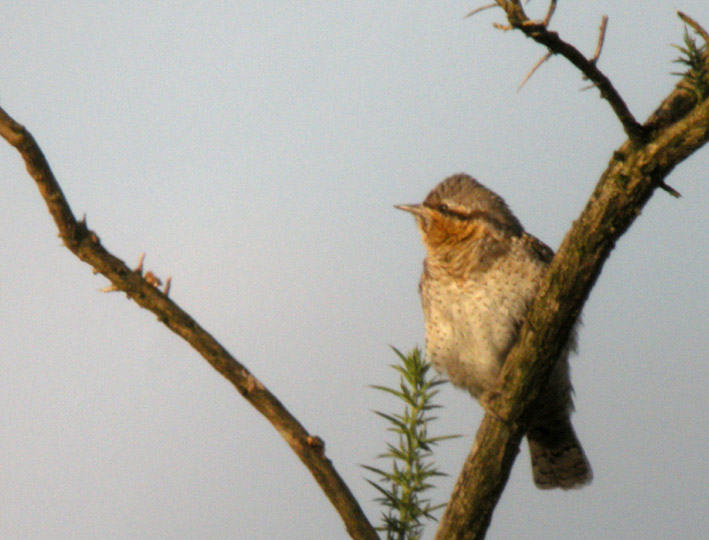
(149, 276)
(109, 288)
(550, 13)
(503, 27)
(168, 283)
(534, 68)
(669, 189)
(479, 9)
(139, 269)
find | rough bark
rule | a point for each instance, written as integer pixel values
(678, 128)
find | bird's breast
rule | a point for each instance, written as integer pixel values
(471, 324)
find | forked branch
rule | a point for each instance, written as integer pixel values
(539, 32)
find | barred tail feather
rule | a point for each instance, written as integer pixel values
(558, 461)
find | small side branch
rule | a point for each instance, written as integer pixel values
(479, 9)
(599, 47)
(550, 13)
(601, 39)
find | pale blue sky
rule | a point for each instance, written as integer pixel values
(255, 153)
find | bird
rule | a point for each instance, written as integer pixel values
(480, 274)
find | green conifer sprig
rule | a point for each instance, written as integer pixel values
(402, 488)
(695, 58)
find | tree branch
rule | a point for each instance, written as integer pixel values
(539, 32)
(678, 128)
(85, 244)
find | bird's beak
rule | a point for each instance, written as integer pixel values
(415, 209)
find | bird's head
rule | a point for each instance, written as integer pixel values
(460, 210)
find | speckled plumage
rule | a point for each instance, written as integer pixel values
(481, 272)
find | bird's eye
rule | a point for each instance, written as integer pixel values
(443, 209)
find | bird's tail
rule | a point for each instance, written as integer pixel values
(558, 461)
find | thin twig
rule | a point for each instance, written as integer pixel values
(536, 66)
(601, 39)
(550, 13)
(599, 48)
(479, 9)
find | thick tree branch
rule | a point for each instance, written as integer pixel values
(678, 128)
(86, 245)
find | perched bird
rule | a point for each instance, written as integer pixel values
(481, 272)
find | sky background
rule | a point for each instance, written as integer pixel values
(255, 152)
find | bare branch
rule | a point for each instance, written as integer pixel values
(680, 128)
(86, 245)
(518, 19)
